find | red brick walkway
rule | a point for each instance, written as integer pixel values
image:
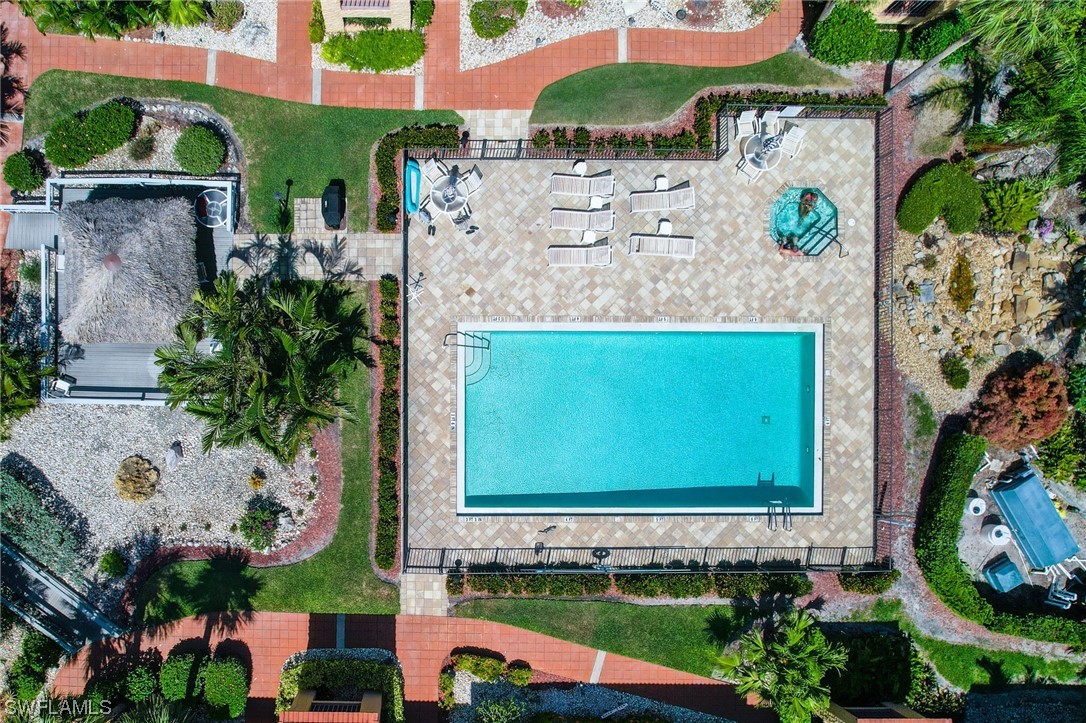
(512, 84)
(421, 644)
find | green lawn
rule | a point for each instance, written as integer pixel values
(966, 666)
(337, 579)
(679, 637)
(307, 144)
(636, 93)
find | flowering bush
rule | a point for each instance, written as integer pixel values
(259, 526)
(1018, 408)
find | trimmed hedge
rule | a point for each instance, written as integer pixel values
(36, 528)
(182, 677)
(73, 141)
(388, 427)
(848, 35)
(387, 155)
(937, 551)
(869, 583)
(23, 172)
(358, 674)
(422, 13)
(199, 151)
(226, 687)
(316, 23)
(140, 684)
(378, 50)
(946, 191)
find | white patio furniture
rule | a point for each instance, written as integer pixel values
(473, 181)
(588, 238)
(576, 219)
(771, 123)
(599, 255)
(661, 183)
(792, 111)
(596, 202)
(601, 184)
(434, 170)
(792, 142)
(580, 167)
(676, 247)
(664, 227)
(746, 124)
(63, 385)
(675, 199)
(747, 170)
(762, 151)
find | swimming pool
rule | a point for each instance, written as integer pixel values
(638, 418)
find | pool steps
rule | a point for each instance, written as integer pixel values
(476, 351)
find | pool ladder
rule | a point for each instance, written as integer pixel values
(776, 509)
(476, 351)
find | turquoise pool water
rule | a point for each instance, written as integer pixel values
(811, 233)
(646, 421)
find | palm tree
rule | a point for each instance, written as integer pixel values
(157, 709)
(1019, 29)
(785, 664)
(283, 349)
(12, 87)
(20, 384)
(966, 97)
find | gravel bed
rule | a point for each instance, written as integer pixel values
(161, 160)
(318, 61)
(536, 29)
(76, 450)
(255, 36)
(582, 700)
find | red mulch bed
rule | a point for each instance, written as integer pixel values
(557, 9)
(9, 280)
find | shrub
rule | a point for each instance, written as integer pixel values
(1076, 386)
(259, 525)
(200, 151)
(1011, 206)
(113, 564)
(1017, 408)
(378, 50)
(388, 429)
(500, 710)
(955, 371)
(136, 480)
(31, 521)
(387, 154)
(936, 37)
(582, 139)
(561, 138)
(962, 287)
(422, 13)
(316, 23)
(519, 673)
(481, 666)
(541, 138)
(946, 191)
(848, 35)
(337, 673)
(225, 14)
(755, 584)
(66, 144)
(226, 687)
(182, 677)
(926, 696)
(869, 583)
(1061, 454)
(877, 668)
(494, 18)
(108, 126)
(30, 271)
(27, 674)
(139, 684)
(454, 584)
(142, 146)
(23, 171)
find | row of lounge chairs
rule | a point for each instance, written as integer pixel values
(602, 253)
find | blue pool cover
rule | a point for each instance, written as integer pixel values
(1037, 526)
(1003, 575)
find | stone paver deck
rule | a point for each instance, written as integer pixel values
(422, 644)
(423, 594)
(501, 271)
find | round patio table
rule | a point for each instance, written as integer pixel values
(447, 195)
(756, 155)
(211, 208)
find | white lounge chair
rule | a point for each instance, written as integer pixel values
(473, 181)
(771, 123)
(576, 219)
(565, 184)
(746, 124)
(434, 170)
(792, 142)
(661, 183)
(747, 170)
(676, 247)
(675, 199)
(600, 255)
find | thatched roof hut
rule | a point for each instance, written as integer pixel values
(130, 269)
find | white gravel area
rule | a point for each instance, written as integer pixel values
(535, 29)
(79, 447)
(161, 160)
(318, 61)
(255, 35)
(583, 700)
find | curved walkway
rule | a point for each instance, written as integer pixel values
(422, 645)
(512, 84)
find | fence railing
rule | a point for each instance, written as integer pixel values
(522, 149)
(637, 559)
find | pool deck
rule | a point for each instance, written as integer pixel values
(500, 273)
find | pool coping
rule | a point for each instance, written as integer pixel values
(817, 329)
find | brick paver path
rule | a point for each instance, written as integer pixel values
(512, 84)
(422, 644)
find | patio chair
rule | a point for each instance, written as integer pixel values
(664, 227)
(676, 199)
(747, 170)
(434, 170)
(576, 219)
(600, 255)
(580, 167)
(473, 181)
(676, 247)
(792, 142)
(746, 124)
(771, 122)
(661, 182)
(62, 385)
(601, 184)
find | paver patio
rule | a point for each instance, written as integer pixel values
(501, 271)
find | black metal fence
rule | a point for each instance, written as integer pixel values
(523, 149)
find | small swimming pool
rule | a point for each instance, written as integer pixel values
(804, 220)
(639, 418)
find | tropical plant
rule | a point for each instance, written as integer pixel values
(1021, 407)
(156, 709)
(21, 373)
(962, 287)
(422, 13)
(1011, 206)
(848, 35)
(1018, 29)
(110, 18)
(1060, 456)
(316, 23)
(955, 371)
(12, 87)
(494, 18)
(260, 524)
(225, 14)
(199, 150)
(113, 564)
(379, 49)
(500, 710)
(785, 664)
(283, 349)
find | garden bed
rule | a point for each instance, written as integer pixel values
(255, 35)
